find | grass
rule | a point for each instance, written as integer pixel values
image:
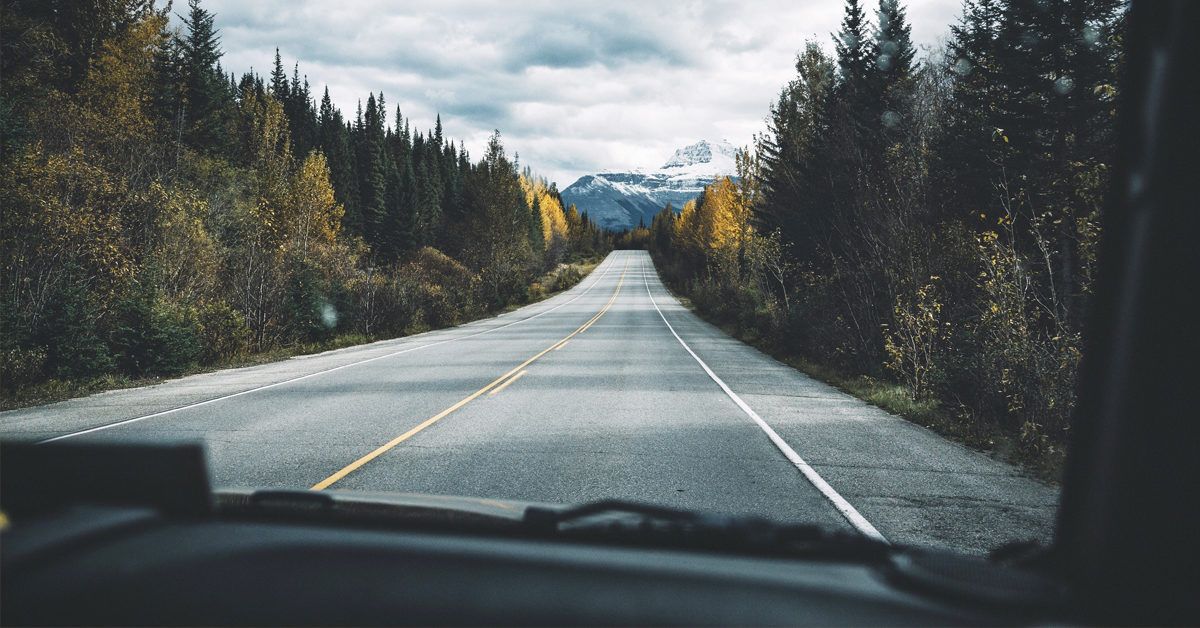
(55, 390)
(953, 423)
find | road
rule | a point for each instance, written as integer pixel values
(610, 389)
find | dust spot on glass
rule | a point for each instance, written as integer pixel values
(1064, 85)
(962, 67)
(1090, 35)
(884, 62)
(890, 119)
(329, 316)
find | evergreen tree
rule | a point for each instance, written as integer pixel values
(856, 53)
(279, 81)
(429, 202)
(372, 181)
(334, 144)
(797, 191)
(893, 41)
(856, 108)
(206, 101)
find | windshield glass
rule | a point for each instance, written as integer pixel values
(822, 262)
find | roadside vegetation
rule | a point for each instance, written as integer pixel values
(161, 215)
(922, 231)
(554, 281)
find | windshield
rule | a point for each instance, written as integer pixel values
(821, 262)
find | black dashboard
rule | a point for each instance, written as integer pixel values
(135, 566)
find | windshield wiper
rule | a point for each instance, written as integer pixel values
(618, 520)
(608, 521)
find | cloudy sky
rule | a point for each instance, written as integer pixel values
(573, 87)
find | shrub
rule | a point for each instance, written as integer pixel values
(152, 336)
(21, 366)
(445, 289)
(69, 332)
(536, 291)
(222, 331)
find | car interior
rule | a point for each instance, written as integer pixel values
(135, 535)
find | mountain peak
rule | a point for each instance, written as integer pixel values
(701, 152)
(620, 200)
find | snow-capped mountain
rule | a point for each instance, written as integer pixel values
(619, 200)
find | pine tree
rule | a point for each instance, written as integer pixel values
(396, 237)
(797, 191)
(279, 80)
(429, 202)
(536, 240)
(409, 208)
(206, 100)
(856, 53)
(170, 92)
(372, 181)
(858, 109)
(334, 143)
(893, 41)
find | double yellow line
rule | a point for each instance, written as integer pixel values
(517, 371)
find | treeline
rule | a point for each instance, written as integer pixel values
(929, 222)
(159, 213)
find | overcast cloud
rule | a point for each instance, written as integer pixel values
(574, 88)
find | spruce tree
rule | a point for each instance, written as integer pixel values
(856, 54)
(792, 171)
(279, 80)
(857, 93)
(206, 102)
(334, 143)
(893, 42)
(372, 180)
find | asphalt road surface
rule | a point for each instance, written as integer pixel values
(610, 389)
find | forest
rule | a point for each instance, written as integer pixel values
(161, 214)
(921, 229)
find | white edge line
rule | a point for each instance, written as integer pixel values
(330, 370)
(848, 511)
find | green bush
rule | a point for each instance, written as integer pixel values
(563, 277)
(69, 333)
(222, 331)
(307, 313)
(152, 336)
(20, 366)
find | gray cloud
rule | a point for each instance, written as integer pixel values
(573, 87)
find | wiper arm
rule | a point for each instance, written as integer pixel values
(660, 525)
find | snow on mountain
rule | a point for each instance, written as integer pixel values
(619, 200)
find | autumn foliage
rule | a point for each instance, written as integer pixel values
(161, 214)
(929, 224)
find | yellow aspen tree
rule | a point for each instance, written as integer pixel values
(315, 216)
(117, 92)
(687, 228)
(720, 216)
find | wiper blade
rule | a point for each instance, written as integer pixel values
(659, 525)
(439, 512)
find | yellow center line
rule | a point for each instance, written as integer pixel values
(561, 345)
(384, 448)
(506, 384)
